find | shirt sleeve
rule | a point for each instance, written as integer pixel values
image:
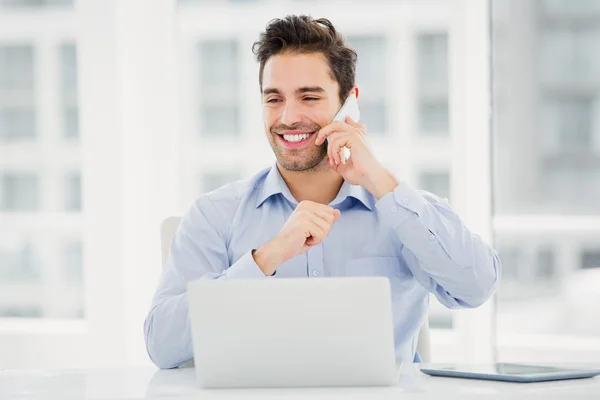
(444, 256)
(197, 251)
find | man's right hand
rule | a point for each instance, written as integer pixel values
(308, 226)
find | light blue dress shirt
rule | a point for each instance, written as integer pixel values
(412, 237)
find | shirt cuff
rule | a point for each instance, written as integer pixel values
(396, 207)
(244, 268)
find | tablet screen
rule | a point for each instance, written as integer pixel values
(506, 369)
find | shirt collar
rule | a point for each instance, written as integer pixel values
(274, 184)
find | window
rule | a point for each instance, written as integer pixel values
(567, 125)
(371, 79)
(437, 183)
(73, 263)
(17, 123)
(73, 191)
(433, 116)
(568, 52)
(590, 258)
(569, 7)
(20, 312)
(35, 3)
(547, 169)
(68, 79)
(16, 67)
(214, 180)
(546, 268)
(71, 122)
(432, 83)
(219, 88)
(17, 111)
(19, 264)
(18, 191)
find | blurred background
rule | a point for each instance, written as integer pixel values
(545, 154)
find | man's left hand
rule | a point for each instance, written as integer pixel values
(361, 168)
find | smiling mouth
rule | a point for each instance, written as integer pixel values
(297, 137)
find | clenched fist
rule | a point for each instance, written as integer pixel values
(308, 226)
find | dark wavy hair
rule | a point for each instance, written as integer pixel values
(302, 34)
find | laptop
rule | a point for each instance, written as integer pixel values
(261, 333)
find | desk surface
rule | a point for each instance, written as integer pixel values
(135, 383)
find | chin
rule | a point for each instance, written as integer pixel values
(297, 165)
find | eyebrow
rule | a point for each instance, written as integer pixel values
(304, 89)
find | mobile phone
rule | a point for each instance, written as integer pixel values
(349, 108)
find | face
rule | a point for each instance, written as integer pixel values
(299, 98)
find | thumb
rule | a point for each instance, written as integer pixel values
(336, 214)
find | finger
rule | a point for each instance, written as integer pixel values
(335, 126)
(336, 143)
(336, 214)
(355, 124)
(323, 211)
(317, 228)
(330, 148)
(310, 242)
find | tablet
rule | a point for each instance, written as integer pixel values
(508, 372)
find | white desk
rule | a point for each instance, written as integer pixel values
(138, 383)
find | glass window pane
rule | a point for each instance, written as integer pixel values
(433, 117)
(546, 149)
(73, 263)
(19, 264)
(71, 122)
(20, 312)
(373, 115)
(17, 123)
(220, 120)
(68, 79)
(437, 183)
(370, 78)
(16, 68)
(568, 54)
(73, 191)
(432, 58)
(68, 67)
(432, 82)
(546, 268)
(569, 7)
(18, 191)
(590, 258)
(17, 109)
(35, 3)
(219, 87)
(219, 64)
(567, 124)
(215, 180)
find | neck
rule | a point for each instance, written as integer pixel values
(321, 184)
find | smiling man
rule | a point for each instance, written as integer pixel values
(311, 215)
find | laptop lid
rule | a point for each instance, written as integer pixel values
(293, 332)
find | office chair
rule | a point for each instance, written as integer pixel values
(169, 227)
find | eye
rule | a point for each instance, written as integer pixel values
(311, 98)
(273, 100)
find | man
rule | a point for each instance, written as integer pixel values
(311, 215)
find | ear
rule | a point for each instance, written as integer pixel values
(354, 90)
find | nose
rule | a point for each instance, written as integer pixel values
(291, 114)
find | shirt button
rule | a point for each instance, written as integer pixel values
(394, 208)
(405, 200)
(315, 272)
(432, 237)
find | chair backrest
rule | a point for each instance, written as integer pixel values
(169, 227)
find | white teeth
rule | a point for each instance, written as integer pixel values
(296, 138)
